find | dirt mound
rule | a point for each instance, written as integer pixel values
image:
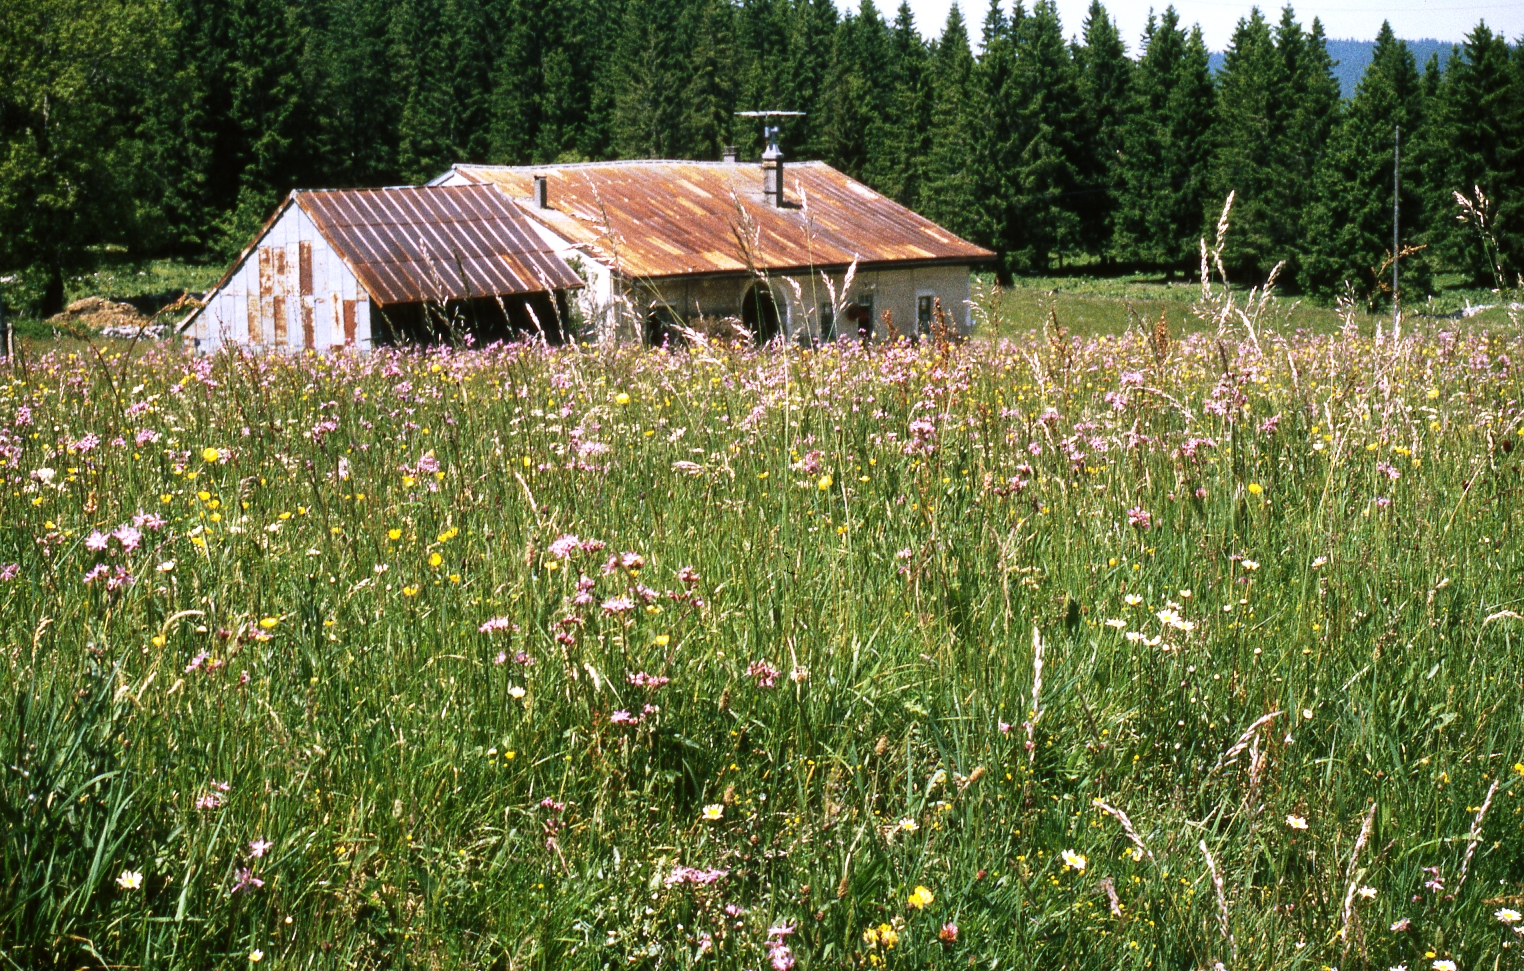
(98, 313)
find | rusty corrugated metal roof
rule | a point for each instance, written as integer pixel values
(663, 218)
(436, 243)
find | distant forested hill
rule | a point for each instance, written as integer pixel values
(1352, 57)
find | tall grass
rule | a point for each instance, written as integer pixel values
(1276, 584)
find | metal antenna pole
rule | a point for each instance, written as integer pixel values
(1396, 212)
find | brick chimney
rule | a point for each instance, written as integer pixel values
(541, 193)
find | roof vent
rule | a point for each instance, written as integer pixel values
(541, 193)
(731, 154)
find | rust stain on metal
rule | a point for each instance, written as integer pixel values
(664, 219)
(253, 308)
(257, 302)
(436, 243)
(278, 312)
(309, 337)
(349, 323)
(304, 268)
(278, 274)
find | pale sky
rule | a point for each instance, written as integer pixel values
(1447, 20)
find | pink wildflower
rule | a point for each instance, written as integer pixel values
(245, 878)
(618, 605)
(564, 546)
(765, 673)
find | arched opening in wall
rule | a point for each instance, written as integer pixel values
(759, 312)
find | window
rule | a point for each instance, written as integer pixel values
(925, 313)
(860, 316)
(827, 323)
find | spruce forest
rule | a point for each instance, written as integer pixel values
(172, 127)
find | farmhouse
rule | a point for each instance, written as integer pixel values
(661, 243)
(361, 268)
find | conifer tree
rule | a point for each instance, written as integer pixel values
(359, 117)
(996, 137)
(649, 77)
(900, 138)
(810, 31)
(1472, 114)
(709, 96)
(1165, 163)
(948, 195)
(1045, 99)
(271, 102)
(1350, 220)
(857, 99)
(1248, 134)
(1105, 78)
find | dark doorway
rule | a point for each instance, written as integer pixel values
(484, 319)
(759, 312)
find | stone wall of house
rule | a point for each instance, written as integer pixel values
(806, 303)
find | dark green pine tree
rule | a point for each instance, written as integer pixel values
(1312, 94)
(1472, 114)
(1165, 164)
(996, 133)
(650, 77)
(185, 117)
(444, 77)
(272, 102)
(811, 27)
(518, 85)
(1247, 136)
(360, 111)
(1105, 84)
(1350, 220)
(709, 101)
(764, 46)
(1511, 168)
(901, 136)
(948, 194)
(1045, 99)
(858, 98)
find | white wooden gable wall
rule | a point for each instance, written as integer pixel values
(293, 291)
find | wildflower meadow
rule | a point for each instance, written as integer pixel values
(1152, 650)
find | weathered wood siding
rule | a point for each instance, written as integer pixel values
(293, 291)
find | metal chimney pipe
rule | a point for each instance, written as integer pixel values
(731, 154)
(772, 168)
(541, 193)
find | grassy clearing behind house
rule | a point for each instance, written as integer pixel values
(1089, 653)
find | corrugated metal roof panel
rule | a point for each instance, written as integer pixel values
(436, 243)
(664, 219)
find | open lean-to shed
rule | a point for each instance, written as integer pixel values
(367, 267)
(661, 243)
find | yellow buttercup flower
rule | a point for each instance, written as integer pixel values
(920, 898)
